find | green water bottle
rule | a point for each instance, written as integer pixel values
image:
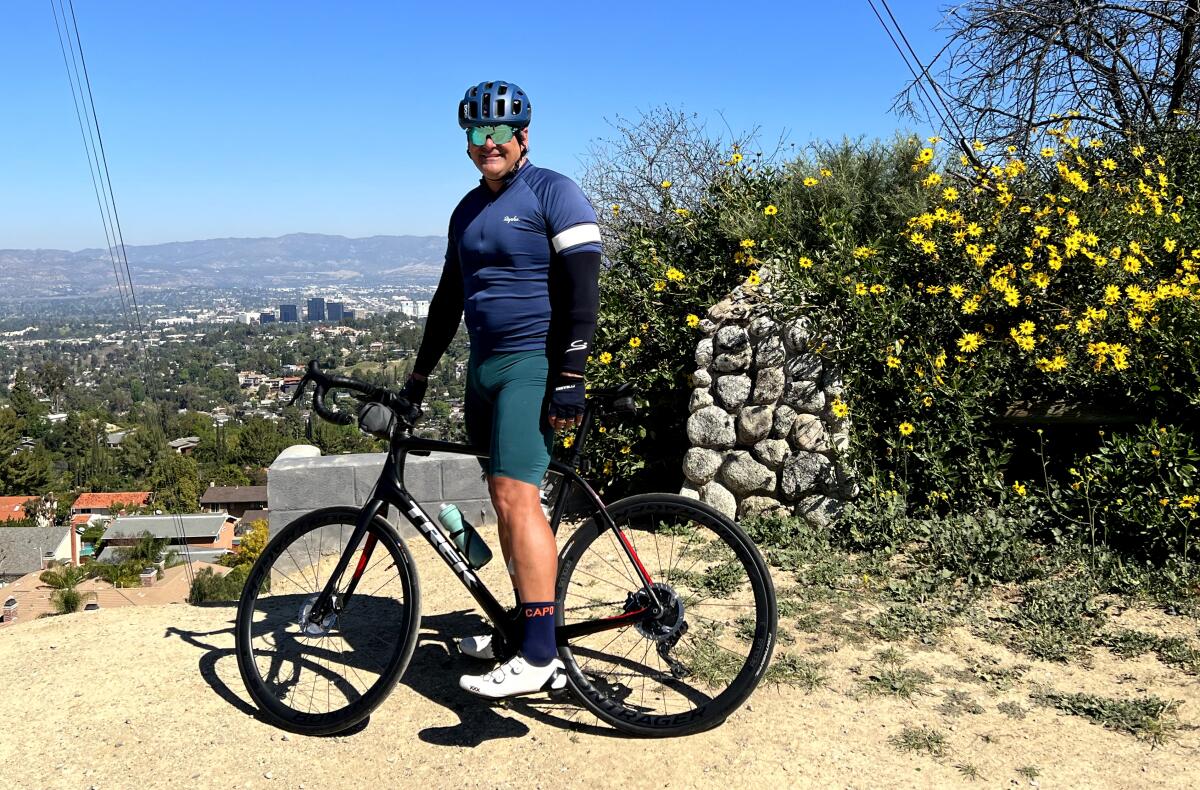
(464, 536)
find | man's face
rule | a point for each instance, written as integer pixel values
(494, 160)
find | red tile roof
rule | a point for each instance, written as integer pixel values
(12, 508)
(104, 500)
(81, 519)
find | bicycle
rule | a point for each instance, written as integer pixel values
(669, 653)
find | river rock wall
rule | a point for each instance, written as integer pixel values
(763, 434)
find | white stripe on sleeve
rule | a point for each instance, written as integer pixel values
(574, 236)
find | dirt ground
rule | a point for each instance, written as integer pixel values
(151, 697)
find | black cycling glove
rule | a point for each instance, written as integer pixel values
(566, 399)
(414, 390)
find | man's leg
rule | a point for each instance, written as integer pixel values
(525, 537)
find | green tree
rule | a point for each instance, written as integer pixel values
(23, 401)
(140, 452)
(258, 442)
(176, 483)
(64, 579)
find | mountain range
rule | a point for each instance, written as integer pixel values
(292, 261)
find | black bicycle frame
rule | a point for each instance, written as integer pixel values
(390, 490)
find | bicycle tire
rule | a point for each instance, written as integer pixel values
(723, 655)
(268, 626)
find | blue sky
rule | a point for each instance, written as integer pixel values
(264, 118)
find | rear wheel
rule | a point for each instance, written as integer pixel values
(324, 676)
(691, 666)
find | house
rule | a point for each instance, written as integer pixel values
(101, 503)
(18, 508)
(184, 444)
(27, 598)
(31, 549)
(195, 536)
(234, 500)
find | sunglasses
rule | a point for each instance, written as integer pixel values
(500, 134)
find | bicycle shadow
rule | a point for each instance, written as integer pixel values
(433, 673)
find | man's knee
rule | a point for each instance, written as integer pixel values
(512, 498)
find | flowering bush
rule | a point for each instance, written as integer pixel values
(948, 287)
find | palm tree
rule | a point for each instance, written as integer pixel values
(64, 579)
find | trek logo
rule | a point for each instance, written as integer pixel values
(511, 219)
(539, 611)
(577, 345)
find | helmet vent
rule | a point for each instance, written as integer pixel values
(503, 90)
(516, 106)
(486, 105)
(500, 108)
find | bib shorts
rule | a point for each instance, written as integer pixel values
(506, 402)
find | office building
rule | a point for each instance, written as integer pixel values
(333, 311)
(266, 318)
(288, 312)
(316, 308)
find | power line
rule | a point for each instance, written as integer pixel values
(93, 143)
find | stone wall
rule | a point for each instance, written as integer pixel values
(764, 438)
(298, 483)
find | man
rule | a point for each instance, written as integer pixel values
(523, 259)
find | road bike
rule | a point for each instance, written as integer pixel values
(666, 612)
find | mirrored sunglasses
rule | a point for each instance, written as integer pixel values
(500, 134)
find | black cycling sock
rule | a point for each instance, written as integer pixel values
(538, 646)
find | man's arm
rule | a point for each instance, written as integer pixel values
(574, 303)
(445, 314)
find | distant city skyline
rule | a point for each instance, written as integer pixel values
(257, 120)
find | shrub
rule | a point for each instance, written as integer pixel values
(208, 586)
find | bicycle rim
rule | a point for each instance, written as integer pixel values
(325, 676)
(687, 669)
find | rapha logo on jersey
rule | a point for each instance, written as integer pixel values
(577, 345)
(511, 219)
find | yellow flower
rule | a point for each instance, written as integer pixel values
(666, 184)
(862, 253)
(878, 289)
(907, 428)
(1109, 164)
(978, 146)
(753, 279)
(625, 450)
(747, 243)
(693, 320)
(839, 408)
(1112, 294)
(683, 212)
(659, 285)
(969, 342)
(805, 262)
(568, 440)
(860, 289)
(616, 209)
(1132, 264)
(1047, 152)
(735, 158)
(811, 182)
(1027, 328)
(634, 342)
(957, 291)
(605, 358)
(950, 194)
(1054, 365)
(932, 180)
(674, 275)
(926, 156)
(893, 362)
(770, 211)
(826, 172)
(1019, 488)
(1169, 244)
(940, 360)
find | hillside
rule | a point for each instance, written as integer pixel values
(150, 697)
(294, 260)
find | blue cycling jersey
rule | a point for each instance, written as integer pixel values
(505, 244)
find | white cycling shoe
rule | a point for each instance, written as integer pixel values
(514, 677)
(477, 646)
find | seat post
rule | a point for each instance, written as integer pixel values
(581, 433)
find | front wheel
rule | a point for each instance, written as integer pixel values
(691, 666)
(323, 674)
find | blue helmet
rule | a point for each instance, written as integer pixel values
(490, 103)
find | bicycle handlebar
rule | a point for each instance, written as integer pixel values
(323, 383)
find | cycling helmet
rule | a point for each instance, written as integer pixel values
(490, 103)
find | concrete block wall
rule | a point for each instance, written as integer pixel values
(297, 485)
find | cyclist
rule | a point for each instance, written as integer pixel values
(523, 260)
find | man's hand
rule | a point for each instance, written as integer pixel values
(566, 401)
(414, 389)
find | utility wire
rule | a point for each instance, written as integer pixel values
(93, 142)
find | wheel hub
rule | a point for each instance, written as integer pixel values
(319, 627)
(669, 622)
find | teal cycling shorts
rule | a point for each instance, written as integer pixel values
(506, 404)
